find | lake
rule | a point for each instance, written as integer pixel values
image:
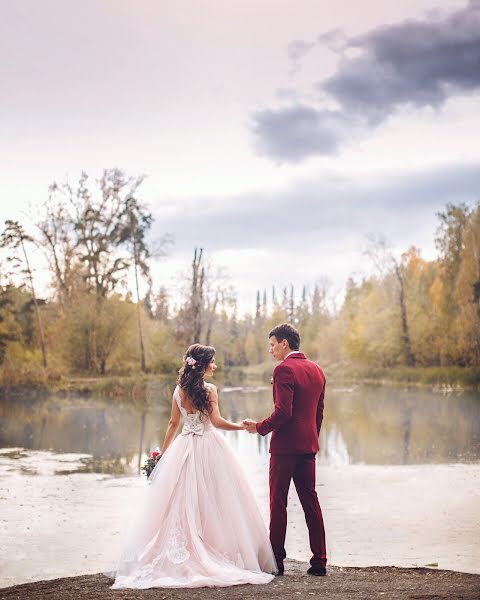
(397, 476)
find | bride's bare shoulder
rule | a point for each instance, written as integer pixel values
(180, 393)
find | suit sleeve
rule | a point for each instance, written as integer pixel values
(321, 402)
(283, 381)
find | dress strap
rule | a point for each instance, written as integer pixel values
(178, 400)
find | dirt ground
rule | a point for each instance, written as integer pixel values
(342, 583)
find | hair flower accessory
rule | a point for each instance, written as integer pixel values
(190, 361)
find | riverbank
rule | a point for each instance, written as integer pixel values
(343, 583)
(446, 379)
(139, 387)
(443, 379)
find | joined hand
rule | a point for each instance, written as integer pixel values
(250, 426)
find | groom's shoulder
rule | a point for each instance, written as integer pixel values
(318, 367)
(312, 362)
(283, 373)
(282, 368)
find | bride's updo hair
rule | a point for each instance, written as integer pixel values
(195, 363)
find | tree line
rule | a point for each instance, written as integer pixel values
(105, 314)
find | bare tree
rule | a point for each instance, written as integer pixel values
(407, 344)
(197, 293)
(135, 221)
(57, 238)
(208, 290)
(218, 294)
(97, 225)
(258, 307)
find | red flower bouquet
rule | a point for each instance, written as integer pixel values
(151, 462)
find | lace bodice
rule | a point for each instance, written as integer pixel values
(196, 423)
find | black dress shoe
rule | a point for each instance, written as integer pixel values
(279, 573)
(318, 571)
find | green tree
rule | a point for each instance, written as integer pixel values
(10, 329)
(16, 238)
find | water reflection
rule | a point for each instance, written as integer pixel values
(368, 424)
(333, 448)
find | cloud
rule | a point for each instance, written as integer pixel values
(415, 64)
(296, 51)
(325, 210)
(294, 133)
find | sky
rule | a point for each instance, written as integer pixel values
(277, 135)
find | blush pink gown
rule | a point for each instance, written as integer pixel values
(200, 524)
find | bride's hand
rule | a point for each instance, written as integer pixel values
(250, 426)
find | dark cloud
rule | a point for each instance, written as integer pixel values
(414, 63)
(294, 133)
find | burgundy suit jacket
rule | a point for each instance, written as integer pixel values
(298, 395)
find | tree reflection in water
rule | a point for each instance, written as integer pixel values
(369, 424)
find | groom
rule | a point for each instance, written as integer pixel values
(298, 393)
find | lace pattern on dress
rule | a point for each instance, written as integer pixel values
(176, 544)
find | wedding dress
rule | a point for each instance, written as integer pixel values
(200, 524)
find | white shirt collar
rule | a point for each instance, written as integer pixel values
(293, 352)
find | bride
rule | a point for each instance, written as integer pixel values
(200, 524)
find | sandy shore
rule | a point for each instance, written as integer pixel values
(341, 583)
(54, 525)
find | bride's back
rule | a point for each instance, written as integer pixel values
(186, 401)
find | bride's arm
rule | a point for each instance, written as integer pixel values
(172, 427)
(216, 418)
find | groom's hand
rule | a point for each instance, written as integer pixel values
(250, 426)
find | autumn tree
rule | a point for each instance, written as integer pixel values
(95, 232)
(466, 294)
(16, 239)
(381, 254)
(450, 239)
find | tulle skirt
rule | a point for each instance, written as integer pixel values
(200, 524)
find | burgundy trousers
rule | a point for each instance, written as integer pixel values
(300, 468)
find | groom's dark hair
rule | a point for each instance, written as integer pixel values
(286, 332)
